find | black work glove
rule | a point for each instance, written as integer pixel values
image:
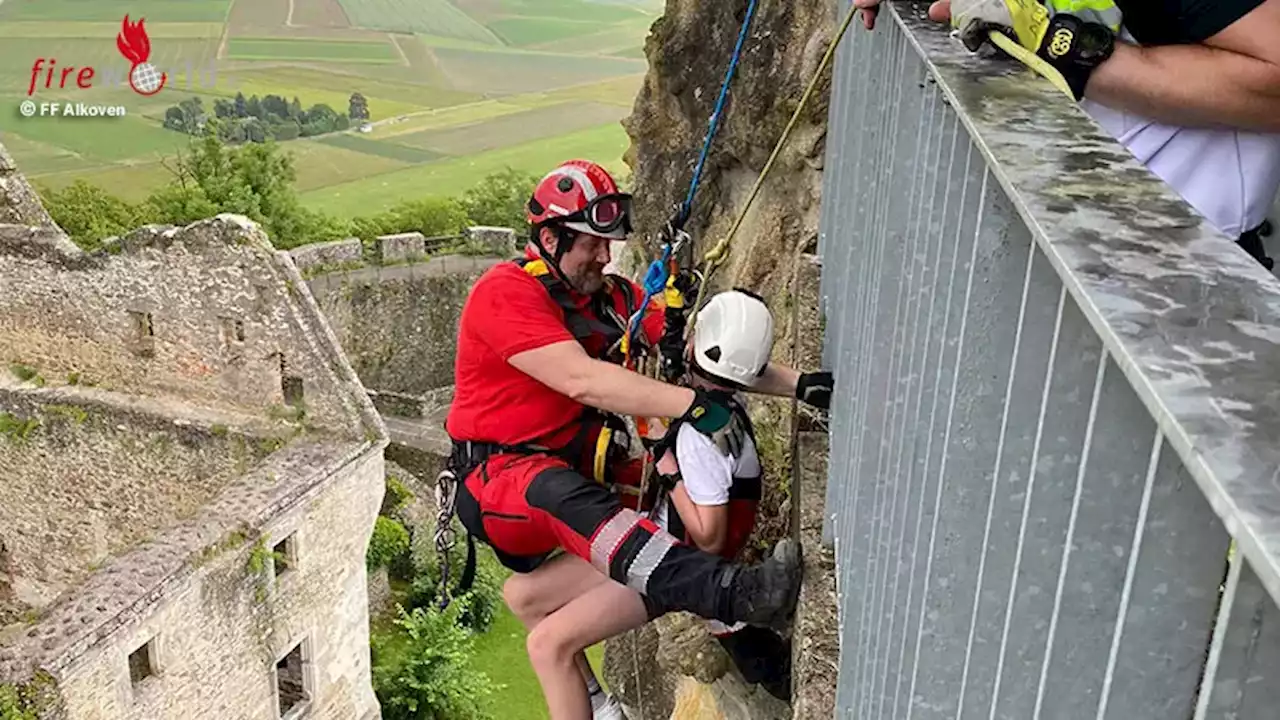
(815, 389)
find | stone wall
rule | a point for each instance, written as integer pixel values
(219, 636)
(208, 314)
(84, 481)
(328, 254)
(687, 50)
(399, 325)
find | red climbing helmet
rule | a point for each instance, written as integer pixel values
(582, 196)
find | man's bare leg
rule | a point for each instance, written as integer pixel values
(556, 642)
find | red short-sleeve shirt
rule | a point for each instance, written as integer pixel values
(509, 312)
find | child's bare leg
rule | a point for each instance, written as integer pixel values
(556, 642)
(535, 595)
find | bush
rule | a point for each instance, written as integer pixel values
(486, 592)
(499, 200)
(431, 216)
(90, 214)
(425, 670)
(396, 496)
(389, 545)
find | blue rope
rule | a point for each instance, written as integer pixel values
(655, 280)
(714, 122)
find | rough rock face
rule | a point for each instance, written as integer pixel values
(688, 51)
(673, 669)
(688, 674)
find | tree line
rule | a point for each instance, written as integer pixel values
(258, 180)
(257, 120)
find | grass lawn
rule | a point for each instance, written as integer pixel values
(319, 163)
(447, 178)
(501, 654)
(337, 51)
(336, 94)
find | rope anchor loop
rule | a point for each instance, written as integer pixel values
(446, 497)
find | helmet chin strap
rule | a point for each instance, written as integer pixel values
(564, 241)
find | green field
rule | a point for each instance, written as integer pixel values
(115, 10)
(103, 140)
(604, 144)
(456, 89)
(394, 151)
(572, 10)
(106, 30)
(517, 128)
(432, 17)
(509, 73)
(318, 50)
(523, 31)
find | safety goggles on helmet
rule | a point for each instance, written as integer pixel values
(604, 215)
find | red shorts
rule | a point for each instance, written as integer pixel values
(527, 506)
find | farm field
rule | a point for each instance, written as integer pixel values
(456, 89)
(317, 50)
(113, 10)
(604, 144)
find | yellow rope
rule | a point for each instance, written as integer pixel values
(1031, 60)
(715, 256)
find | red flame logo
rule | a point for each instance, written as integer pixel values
(135, 46)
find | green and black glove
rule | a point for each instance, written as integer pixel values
(710, 415)
(709, 412)
(1063, 47)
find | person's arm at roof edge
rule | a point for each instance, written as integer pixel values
(1231, 79)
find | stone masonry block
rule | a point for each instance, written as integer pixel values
(404, 246)
(500, 241)
(338, 252)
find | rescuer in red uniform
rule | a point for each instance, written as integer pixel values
(536, 387)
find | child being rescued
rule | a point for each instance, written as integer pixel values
(715, 490)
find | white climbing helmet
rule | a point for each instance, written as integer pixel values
(733, 337)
